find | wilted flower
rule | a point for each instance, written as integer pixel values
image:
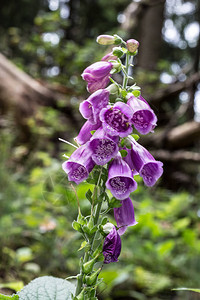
(79, 165)
(132, 45)
(97, 75)
(124, 215)
(112, 246)
(120, 179)
(144, 119)
(85, 132)
(103, 147)
(91, 107)
(117, 119)
(144, 163)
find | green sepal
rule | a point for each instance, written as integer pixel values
(118, 51)
(135, 136)
(124, 93)
(104, 221)
(88, 231)
(118, 39)
(123, 152)
(77, 226)
(136, 93)
(92, 132)
(81, 219)
(114, 202)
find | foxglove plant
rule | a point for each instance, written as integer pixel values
(108, 156)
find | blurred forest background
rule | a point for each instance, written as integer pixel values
(44, 47)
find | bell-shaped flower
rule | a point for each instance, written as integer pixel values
(144, 118)
(79, 165)
(144, 163)
(85, 132)
(103, 147)
(124, 215)
(120, 179)
(112, 246)
(97, 75)
(116, 120)
(91, 107)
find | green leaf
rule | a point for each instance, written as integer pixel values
(47, 288)
(15, 285)
(13, 297)
(187, 289)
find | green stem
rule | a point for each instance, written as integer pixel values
(86, 256)
(125, 79)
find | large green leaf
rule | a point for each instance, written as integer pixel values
(47, 288)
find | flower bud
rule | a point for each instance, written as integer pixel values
(132, 45)
(107, 228)
(117, 51)
(90, 280)
(105, 39)
(80, 296)
(88, 266)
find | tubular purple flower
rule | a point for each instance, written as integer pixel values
(120, 179)
(79, 165)
(85, 132)
(103, 147)
(91, 107)
(112, 247)
(144, 119)
(144, 163)
(124, 215)
(117, 119)
(97, 75)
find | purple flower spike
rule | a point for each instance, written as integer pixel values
(103, 147)
(91, 107)
(120, 179)
(144, 163)
(97, 75)
(124, 215)
(112, 247)
(117, 119)
(144, 119)
(79, 165)
(85, 132)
